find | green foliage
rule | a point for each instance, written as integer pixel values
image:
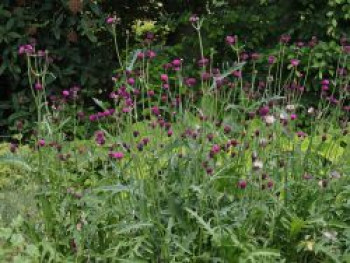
(216, 172)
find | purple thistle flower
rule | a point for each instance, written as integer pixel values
(203, 62)
(293, 116)
(65, 93)
(13, 147)
(231, 40)
(155, 110)
(140, 55)
(263, 111)
(116, 155)
(215, 149)
(25, 49)
(190, 82)
(38, 86)
(242, 184)
(346, 49)
(164, 78)
(313, 42)
(151, 54)
(325, 88)
(111, 20)
(325, 82)
(271, 60)
(194, 18)
(131, 81)
(285, 38)
(294, 62)
(41, 143)
(176, 63)
(93, 118)
(237, 73)
(205, 76)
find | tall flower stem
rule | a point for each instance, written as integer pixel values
(116, 46)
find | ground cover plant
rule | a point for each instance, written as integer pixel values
(183, 162)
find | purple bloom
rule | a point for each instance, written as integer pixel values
(293, 116)
(346, 49)
(81, 115)
(41, 143)
(325, 82)
(294, 62)
(285, 38)
(242, 184)
(325, 88)
(313, 42)
(116, 155)
(25, 49)
(100, 137)
(38, 86)
(164, 78)
(301, 134)
(150, 93)
(149, 36)
(111, 20)
(203, 62)
(93, 117)
(190, 82)
(215, 149)
(167, 66)
(299, 44)
(231, 40)
(131, 81)
(237, 73)
(205, 76)
(145, 141)
(272, 59)
(141, 55)
(151, 54)
(194, 18)
(244, 56)
(263, 111)
(155, 110)
(13, 147)
(65, 93)
(176, 63)
(126, 110)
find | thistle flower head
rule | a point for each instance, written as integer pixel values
(263, 111)
(41, 143)
(38, 86)
(194, 18)
(231, 40)
(116, 155)
(294, 62)
(271, 60)
(164, 78)
(65, 93)
(242, 184)
(293, 116)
